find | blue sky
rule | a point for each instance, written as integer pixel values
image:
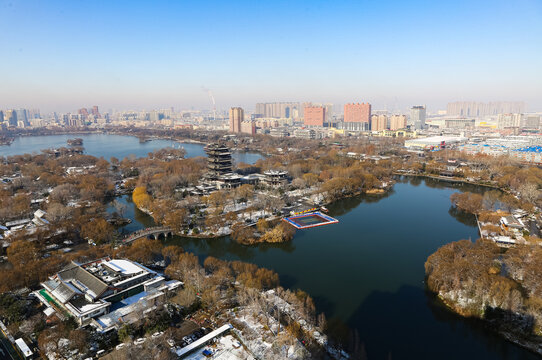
(62, 55)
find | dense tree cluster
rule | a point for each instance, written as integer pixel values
(478, 279)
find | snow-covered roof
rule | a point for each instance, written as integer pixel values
(49, 311)
(196, 344)
(505, 239)
(23, 347)
(124, 266)
(39, 213)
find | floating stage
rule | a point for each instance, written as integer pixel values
(309, 220)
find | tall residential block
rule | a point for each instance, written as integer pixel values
(11, 117)
(357, 113)
(248, 127)
(532, 121)
(479, 109)
(22, 117)
(314, 115)
(357, 117)
(398, 122)
(417, 117)
(278, 110)
(379, 122)
(505, 121)
(237, 115)
(95, 111)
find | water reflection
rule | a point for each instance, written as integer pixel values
(462, 217)
(366, 272)
(108, 145)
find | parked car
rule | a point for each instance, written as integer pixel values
(157, 334)
(139, 341)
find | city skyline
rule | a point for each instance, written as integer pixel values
(390, 54)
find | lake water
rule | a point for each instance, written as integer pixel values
(107, 145)
(366, 272)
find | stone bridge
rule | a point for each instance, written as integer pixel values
(151, 233)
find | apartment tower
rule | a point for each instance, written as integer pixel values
(314, 115)
(237, 115)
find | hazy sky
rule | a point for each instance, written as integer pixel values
(62, 55)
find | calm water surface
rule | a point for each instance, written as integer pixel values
(106, 146)
(366, 273)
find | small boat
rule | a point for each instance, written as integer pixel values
(324, 209)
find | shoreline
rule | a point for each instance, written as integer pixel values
(450, 180)
(513, 338)
(124, 132)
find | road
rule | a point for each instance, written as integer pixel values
(5, 347)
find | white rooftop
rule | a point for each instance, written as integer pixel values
(437, 140)
(23, 347)
(196, 344)
(124, 266)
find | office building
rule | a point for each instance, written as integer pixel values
(237, 116)
(379, 122)
(1, 116)
(417, 117)
(314, 115)
(398, 122)
(479, 109)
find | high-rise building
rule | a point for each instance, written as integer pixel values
(65, 119)
(83, 112)
(479, 109)
(22, 117)
(398, 122)
(357, 112)
(248, 127)
(278, 110)
(314, 115)
(329, 112)
(237, 115)
(417, 117)
(532, 121)
(379, 122)
(1, 116)
(95, 111)
(506, 121)
(11, 117)
(33, 114)
(357, 117)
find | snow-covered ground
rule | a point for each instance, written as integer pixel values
(227, 348)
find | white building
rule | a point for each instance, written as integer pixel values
(86, 291)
